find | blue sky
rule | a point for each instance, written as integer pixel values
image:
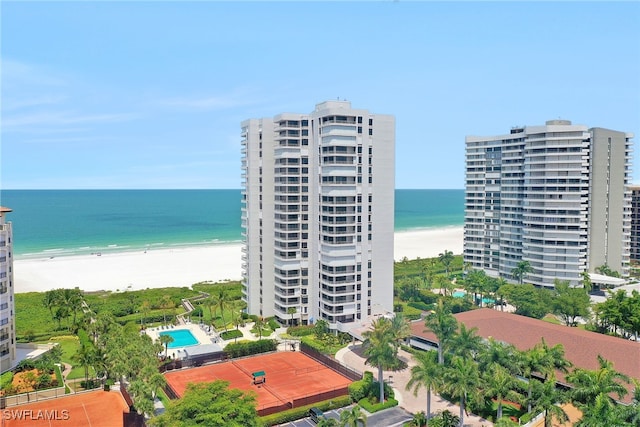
(151, 94)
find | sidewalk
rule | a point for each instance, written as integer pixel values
(399, 379)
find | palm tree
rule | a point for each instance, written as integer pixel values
(446, 258)
(145, 307)
(552, 359)
(72, 299)
(138, 389)
(85, 356)
(166, 340)
(156, 381)
(353, 417)
(501, 384)
(586, 281)
(425, 374)
(522, 269)
(494, 352)
(602, 412)
(466, 342)
(419, 420)
(475, 281)
(259, 325)
(528, 362)
(211, 304)
(447, 419)
(223, 301)
(292, 311)
(166, 304)
(399, 330)
(588, 385)
(50, 300)
(547, 398)
(461, 381)
(328, 422)
(442, 323)
(500, 282)
(378, 349)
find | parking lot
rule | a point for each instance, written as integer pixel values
(388, 418)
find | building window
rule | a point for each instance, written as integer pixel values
(370, 131)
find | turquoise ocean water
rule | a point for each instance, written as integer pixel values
(71, 222)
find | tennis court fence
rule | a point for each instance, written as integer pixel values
(330, 362)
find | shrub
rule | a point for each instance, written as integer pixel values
(229, 335)
(420, 305)
(273, 324)
(410, 313)
(6, 379)
(90, 384)
(375, 407)
(301, 331)
(303, 411)
(374, 391)
(428, 297)
(197, 312)
(247, 348)
(26, 365)
(358, 390)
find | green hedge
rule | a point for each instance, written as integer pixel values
(420, 305)
(360, 389)
(149, 318)
(301, 331)
(273, 324)
(6, 379)
(371, 407)
(229, 335)
(248, 348)
(409, 312)
(303, 411)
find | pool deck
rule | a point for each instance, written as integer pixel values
(199, 332)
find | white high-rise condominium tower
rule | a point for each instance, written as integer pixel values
(318, 215)
(7, 311)
(553, 195)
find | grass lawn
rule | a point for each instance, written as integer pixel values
(70, 346)
(163, 397)
(552, 319)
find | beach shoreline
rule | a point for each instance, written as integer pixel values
(184, 266)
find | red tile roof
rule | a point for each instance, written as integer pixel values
(90, 409)
(581, 347)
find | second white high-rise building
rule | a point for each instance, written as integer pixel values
(318, 215)
(553, 195)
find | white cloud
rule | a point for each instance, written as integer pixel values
(26, 122)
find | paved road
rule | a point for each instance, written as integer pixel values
(351, 356)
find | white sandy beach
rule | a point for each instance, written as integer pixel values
(184, 266)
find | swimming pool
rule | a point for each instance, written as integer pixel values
(459, 294)
(181, 338)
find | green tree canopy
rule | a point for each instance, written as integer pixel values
(570, 303)
(210, 404)
(528, 300)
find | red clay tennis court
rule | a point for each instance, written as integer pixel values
(292, 379)
(91, 409)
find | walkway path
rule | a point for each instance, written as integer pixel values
(398, 380)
